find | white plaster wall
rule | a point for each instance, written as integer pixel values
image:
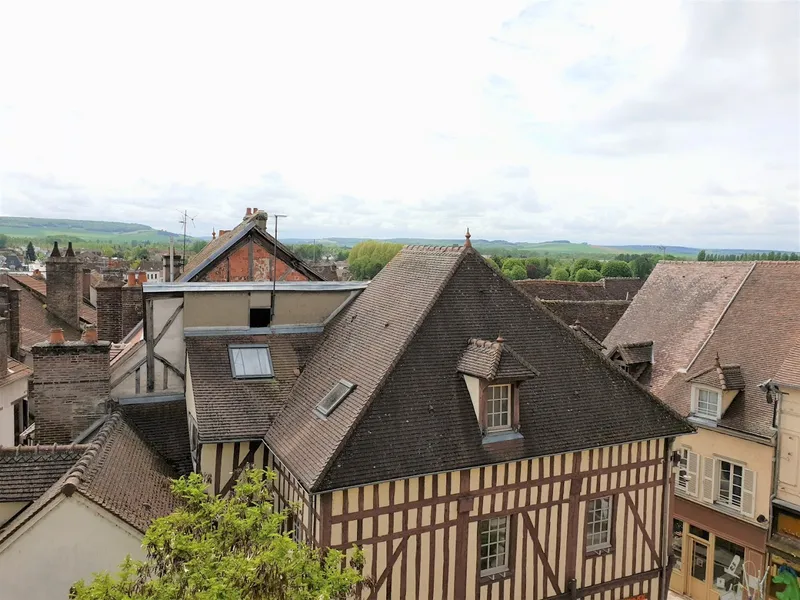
(8, 394)
(9, 509)
(70, 542)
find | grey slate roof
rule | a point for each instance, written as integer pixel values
(493, 360)
(26, 472)
(411, 413)
(227, 408)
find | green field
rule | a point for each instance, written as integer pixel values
(25, 228)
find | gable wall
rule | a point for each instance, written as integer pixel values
(236, 266)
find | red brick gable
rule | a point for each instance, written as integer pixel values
(235, 266)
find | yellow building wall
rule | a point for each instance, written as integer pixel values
(788, 484)
(420, 536)
(221, 462)
(754, 456)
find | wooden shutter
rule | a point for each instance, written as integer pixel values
(693, 473)
(748, 492)
(707, 494)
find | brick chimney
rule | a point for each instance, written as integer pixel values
(86, 284)
(13, 324)
(132, 303)
(64, 285)
(3, 348)
(248, 214)
(70, 387)
(109, 311)
(4, 313)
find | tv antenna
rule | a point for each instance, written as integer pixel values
(185, 220)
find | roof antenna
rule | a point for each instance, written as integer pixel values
(274, 269)
(184, 220)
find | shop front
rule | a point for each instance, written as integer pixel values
(717, 556)
(784, 552)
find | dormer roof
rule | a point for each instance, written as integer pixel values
(633, 354)
(494, 360)
(723, 377)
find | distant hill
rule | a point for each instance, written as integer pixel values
(73, 230)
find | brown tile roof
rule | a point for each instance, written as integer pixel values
(410, 412)
(611, 288)
(39, 286)
(676, 309)
(242, 409)
(35, 321)
(596, 316)
(493, 360)
(26, 472)
(117, 471)
(164, 426)
(724, 377)
(16, 370)
(634, 354)
(757, 332)
(789, 373)
(587, 336)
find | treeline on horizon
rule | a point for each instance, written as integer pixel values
(704, 256)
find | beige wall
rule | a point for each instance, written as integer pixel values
(412, 526)
(190, 406)
(216, 309)
(9, 509)
(8, 395)
(220, 461)
(67, 542)
(306, 307)
(788, 485)
(754, 456)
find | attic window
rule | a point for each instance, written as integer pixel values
(250, 361)
(707, 403)
(333, 398)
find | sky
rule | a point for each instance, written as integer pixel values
(605, 121)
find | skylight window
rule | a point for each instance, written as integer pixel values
(333, 398)
(250, 362)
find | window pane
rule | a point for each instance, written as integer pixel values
(493, 544)
(728, 567)
(699, 561)
(677, 542)
(251, 362)
(598, 524)
(498, 407)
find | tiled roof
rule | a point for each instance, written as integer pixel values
(211, 251)
(35, 321)
(493, 360)
(676, 309)
(724, 377)
(587, 336)
(410, 412)
(634, 354)
(39, 286)
(117, 471)
(26, 472)
(789, 373)
(163, 425)
(596, 316)
(611, 288)
(16, 370)
(242, 409)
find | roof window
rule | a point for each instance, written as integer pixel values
(333, 398)
(250, 361)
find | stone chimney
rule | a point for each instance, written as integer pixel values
(4, 314)
(86, 284)
(260, 218)
(109, 311)
(132, 303)
(64, 285)
(70, 386)
(3, 348)
(177, 266)
(13, 324)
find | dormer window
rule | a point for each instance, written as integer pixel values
(250, 361)
(707, 403)
(498, 407)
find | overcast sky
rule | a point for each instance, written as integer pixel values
(600, 121)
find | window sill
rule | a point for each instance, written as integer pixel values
(599, 551)
(499, 576)
(501, 436)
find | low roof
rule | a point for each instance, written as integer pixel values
(117, 471)
(677, 309)
(162, 423)
(39, 286)
(410, 412)
(596, 316)
(35, 321)
(26, 472)
(610, 288)
(227, 408)
(16, 371)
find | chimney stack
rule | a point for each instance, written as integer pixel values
(4, 313)
(260, 218)
(86, 284)
(248, 214)
(132, 303)
(142, 277)
(109, 311)
(63, 285)
(3, 347)
(13, 324)
(176, 267)
(70, 387)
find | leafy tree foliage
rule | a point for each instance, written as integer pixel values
(701, 256)
(586, 263)
(3, 240)
(225, 548)
(514, 271)
(588, 275)
(537, 268)
(30, 252)
(560, 274)
(642, 265)
(616, 268)
(367, 258)
(196, 246)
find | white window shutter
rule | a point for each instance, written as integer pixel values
(707, 494)
(693, 473)
(748, 492)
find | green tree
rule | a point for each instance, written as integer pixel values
(701, 256)
(196, 246)
(537, 268)
(560, 274)
(588, 275)
(3, 240)
(642, 265)
(498, 260)
(30, 252)
(227, 548)
(586, 263)
(108, 251)
(616, 268)
(367, 258)
(515, 272)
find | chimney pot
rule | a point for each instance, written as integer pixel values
(249, 212)
(56, 336)
(131, 278)
(500, 339)
(55, 251)
(255, 210)
(90, 334)
(70, 251)
(142, 277)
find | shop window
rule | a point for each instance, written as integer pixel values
(701, 533)
(677, 542)
(728, 569)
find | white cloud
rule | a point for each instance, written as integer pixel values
(607, 121)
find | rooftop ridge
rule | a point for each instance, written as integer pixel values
(75, 476)
(429, 248)
(559, 282)
(584, 302)
(43, 448)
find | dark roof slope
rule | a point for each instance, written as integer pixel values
(163, 425)
(414, 414)
(758, 330)
(596, 316)
(635, 353)
(39, 287)
(242, 409)
(612, 288)
(493, 360)
(26, 472)
(117, 471)
(676, 310)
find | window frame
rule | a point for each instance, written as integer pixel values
(696, 402)
(608, 545)
(232, 347)
(326, 413)
(509, 408)
(718, 499)
(683, 467)
(508, 545)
